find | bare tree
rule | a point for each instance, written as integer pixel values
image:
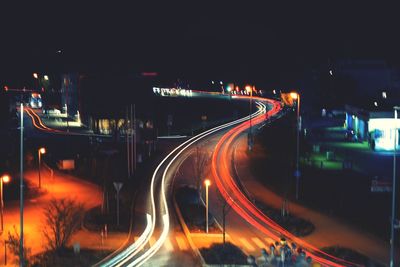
(13, 243)
(200, 159)
(63, 217)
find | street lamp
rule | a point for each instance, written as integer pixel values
(35, 75)
(393, 217)
(46, 78)
(3, 179)
(41, 151)
(249, 89)
(296, 96)
(207, 183)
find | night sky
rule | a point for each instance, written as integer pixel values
(251, 42)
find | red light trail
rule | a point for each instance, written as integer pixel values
(243, 206)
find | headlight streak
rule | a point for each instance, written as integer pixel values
(133, 249)
(149, 253)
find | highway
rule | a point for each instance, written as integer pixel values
(158, 203)
(150, 247)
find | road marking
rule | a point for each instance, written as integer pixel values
(181, 243)
(246, 244)
(152, 241)
(258, 242)
(168, 245)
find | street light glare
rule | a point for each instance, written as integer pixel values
(294, 95)
(42, 150)
(46, 77)
(207, 182)
(35, 75)
(248, 88)
(6, 178)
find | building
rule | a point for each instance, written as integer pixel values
(378, 127)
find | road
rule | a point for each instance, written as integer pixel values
(160, 213)
(55, 185)
(247, 223)
(231, 191)
(59, 186)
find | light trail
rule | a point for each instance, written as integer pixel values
(149, 253)
(133, 249)
(38, 124)
(244, 207)
(141, 259)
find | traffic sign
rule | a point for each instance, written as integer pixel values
(118, 186)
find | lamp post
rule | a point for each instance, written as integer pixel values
(207, 183)
(393, 217)
(3, 179)
(249, 89)
(21, 186)
(41, 151)
(296, 96)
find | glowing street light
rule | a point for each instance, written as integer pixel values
(207, 184)
(296, 96)
(41, 151)
(46, 78)
(5, 178)
(35, 75)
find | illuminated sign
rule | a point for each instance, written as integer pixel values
(172, 91)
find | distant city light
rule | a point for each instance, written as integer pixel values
(228, 88)
(384, 96)
(35, 75)
(331, 72)
(274, 92)
(46, 77)
(220, 82)
(375, 104)
(212, 82)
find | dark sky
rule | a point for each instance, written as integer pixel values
(193, 40)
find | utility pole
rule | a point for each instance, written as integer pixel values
(393, 217)
(134, 137)
(21, 178)
(127, 132)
